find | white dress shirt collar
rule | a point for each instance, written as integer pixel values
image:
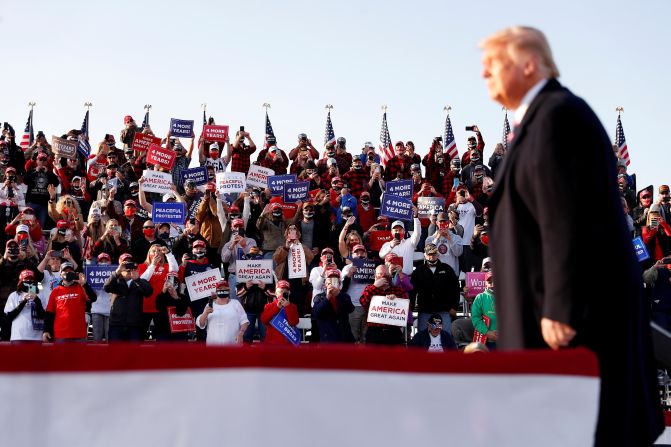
(528, 98)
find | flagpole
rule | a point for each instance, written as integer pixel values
(447, 109)
(32, 104)
(266, 106)
(88, 105)
(328, 108)
(619, 110)
(204, 107)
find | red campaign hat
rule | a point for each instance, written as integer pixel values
(382, 219)
(210, 187)
(173, 274)
(238, 223)
(327, 250)
(222, 283)
(333, 273)
(127, 119)
(358, 247)
(489, 276)
(275, 206)
(10, 169)
(283, 284)
(130, 202)
(62, 224)
(42, 157)
(126, 257)
(102, 256)
(314, 192)
(26, 274)
(335, 180)
(199, 243)
(365, 193)
(393, 258)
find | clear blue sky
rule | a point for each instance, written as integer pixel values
(415, 57)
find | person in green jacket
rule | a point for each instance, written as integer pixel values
(483, 315)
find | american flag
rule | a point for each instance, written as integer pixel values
(450, 142)
(621, 142)
(329, 135)
(269, 130)
(506, 132)
(386, 149)
(84, 147)
(28, 134)
(145, 121)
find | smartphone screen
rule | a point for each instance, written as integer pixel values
(455, 183)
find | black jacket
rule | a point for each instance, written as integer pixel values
(422, 339)
(126, 300)
(435, 291)
(539, 237)
(161, 320)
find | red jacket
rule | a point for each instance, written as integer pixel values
(273, 336)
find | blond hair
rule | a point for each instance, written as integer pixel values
(528, 40)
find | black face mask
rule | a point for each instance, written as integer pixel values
(164, 235)
(69, 277)
(432, 263)
(223, 293)
(13, 252)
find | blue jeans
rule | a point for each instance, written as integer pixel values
(254, 319)
(423, 321)
(232, 283)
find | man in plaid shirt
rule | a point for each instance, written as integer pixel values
(398, 167)
(242, 152)
(382, 334)
(275, 159)
(356, 178)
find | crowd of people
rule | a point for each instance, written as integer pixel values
(61, 215)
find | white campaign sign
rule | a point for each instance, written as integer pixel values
(296, 262)
(202, 284)
(258, 176)
(392, 312)
(228, 182)
(155, 181)
(256, 270)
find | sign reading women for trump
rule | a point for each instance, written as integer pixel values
(142, 141)
(228, 182)
(257, 270)
(96, 275)
(399, 188)
(181, 128)
(154, 181)
(396, 207)
(294, 192)
(160, 156)
(169, 212)
(215, 133)
(201, 285)
(475, 281)
(385, 311)
(258, 176)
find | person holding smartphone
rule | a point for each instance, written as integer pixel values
(25, 309)
(281, 302)
(241, 151)
(656, 235)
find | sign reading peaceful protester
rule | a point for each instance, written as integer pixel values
(181, 323)
(64, 148)
(430, 205)
(276, 183)
(215, 133)
(229, 182)
(475, 281)
(365, 271)
(197, 175)
(257, 270)
(155, 181)
(96, 275)
(294, 192)
(160, 156)
(399, 188)
(169, 212)
(391, 312)
(200, 285)
(297, 266)
(181, 128)
(282, 325)
(396, 207)
(258, 176)
(142, 141)
(641, 250)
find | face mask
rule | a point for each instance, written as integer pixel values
(69, 277)
(210, 176)
(129, 212)
(134, 193)
(13, 252)
(309, 214)
(234, 216)
(164, 235)
(330, 154)
(148, 232)
(432, 263)
(223, 293)
(365, 202)
(440, 160)
(357, 167)
(199, 255)
(485, 239)
(277, 214)
(191, 236)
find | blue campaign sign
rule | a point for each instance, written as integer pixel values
(396, 207)
(197, 175)
(365, 271)
(181, 128)
(276, 183)
(293, 192)
(641, 250)
(399, 188)
(169, 212)
(96, 275)
(289, 332)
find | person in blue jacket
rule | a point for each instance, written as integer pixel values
(331, 310)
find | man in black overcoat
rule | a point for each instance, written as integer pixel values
(566, 270)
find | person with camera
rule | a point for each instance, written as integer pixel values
(38, 180)
(468, 171)
(111, 242)
(281, 302)
(25, 310)
(398, 167)
(13, 151)
(304, 145)
(271, 226)
(128, 292)
(237, 245)
(331, 309)
(224, 319)
(467, 212)
(10, 191)
(438, 172)
(377, 333)
(242, 152)
(473, 142)
(443, 234)
(127, 134)
(368, 156)
(65, 319)
(656, 234)
(158, 262)
(39, 145)
(273, 158)
(12, 264)
(402, 247)
(282, 261)
(63, 237)
(318, 273)
(210, 215)
(254, 295)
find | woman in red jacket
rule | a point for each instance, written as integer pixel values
(657, 234)
(273, 336)
(155, 269)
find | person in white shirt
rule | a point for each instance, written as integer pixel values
(357, 319)
(318, 274)
(448, 242)
(214, 160)
(100, 309)
(225, 319)
(25, 309)
(400, 246)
